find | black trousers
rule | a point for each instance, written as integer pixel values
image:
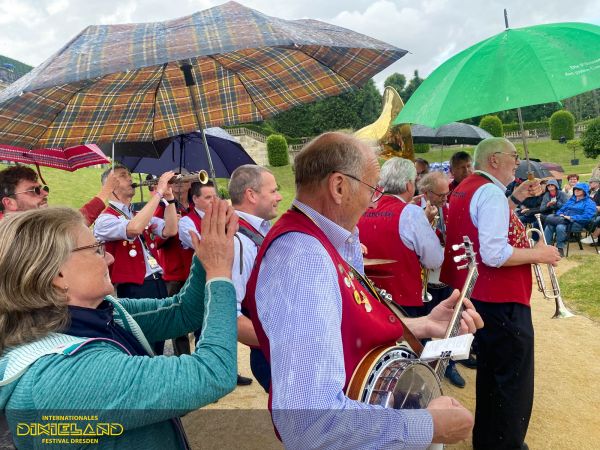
(181, 344)
(261, 369)
(504, 384)
(152, 288)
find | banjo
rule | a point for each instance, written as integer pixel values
(394, 376)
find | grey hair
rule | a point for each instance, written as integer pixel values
(104, 175)
(248, 176)
(328, 153)
(395, 175)
(488, 147)
(428, 182)
(33, 247)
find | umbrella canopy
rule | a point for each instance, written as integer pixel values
(70, 158)
(450, 134)
(188, 151)
(144, 82)
(556, 170)
(531, 166)
(516, 68)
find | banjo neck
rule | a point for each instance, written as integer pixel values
(454, 324)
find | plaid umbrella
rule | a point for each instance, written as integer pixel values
(71, 158)
(143, 82)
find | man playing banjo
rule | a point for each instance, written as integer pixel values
(316, 317)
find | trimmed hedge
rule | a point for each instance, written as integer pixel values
(224, 193)
(422, 148)
(493, 125)
(562, 123)
(277, 151)
(542, 125)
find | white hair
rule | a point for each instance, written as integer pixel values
(488, 147)
(395, 175)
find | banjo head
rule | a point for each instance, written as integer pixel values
(399, 381)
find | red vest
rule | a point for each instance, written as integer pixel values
(379, 232)
(361, 331)
(128, 269)
(175, 260)
(494, 284)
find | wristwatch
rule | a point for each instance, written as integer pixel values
(172, 201)
(515, 200)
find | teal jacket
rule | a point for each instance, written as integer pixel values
(139, 396)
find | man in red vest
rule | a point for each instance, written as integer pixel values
(20, 190)
(316, 318)
(202, 196)
(461, 166)
(480, 210)
(132, 239)
(255, 196)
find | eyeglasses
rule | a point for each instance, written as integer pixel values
(37, 190)
(514, 155)
(99, 246)
(442, 195)
(377, 191)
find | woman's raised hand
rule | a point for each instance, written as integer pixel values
(215, 247)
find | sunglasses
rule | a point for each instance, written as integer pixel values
(37, 190)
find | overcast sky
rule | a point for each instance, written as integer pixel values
(432, 30)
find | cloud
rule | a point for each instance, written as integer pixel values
(432, 30)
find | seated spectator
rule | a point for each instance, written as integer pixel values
(67, 346)
(552, 200)
(572, 180)
(576, 213)
(528, 209)
(595, 195)
(20, 190)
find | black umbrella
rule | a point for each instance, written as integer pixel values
(449, 134)
(189, 152)
(536, 167)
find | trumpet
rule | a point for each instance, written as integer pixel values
(554, 293)
(427, 297)
(201, 177)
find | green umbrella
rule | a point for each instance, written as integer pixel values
(516, 68)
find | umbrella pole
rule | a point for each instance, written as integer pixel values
(529, 172)
(186, 68)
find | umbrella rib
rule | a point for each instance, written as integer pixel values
(240, 80)
(162, 75)
(86, 83)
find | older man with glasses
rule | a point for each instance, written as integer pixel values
(316, 316)
(20, 190)
(396, 229)
(480, 210)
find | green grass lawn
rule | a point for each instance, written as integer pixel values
(546, 150)
(581, 285)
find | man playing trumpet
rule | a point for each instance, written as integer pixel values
(480, 210)
(132, 239)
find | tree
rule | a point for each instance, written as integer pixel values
(492, 124)
(590, 139)
(413, 84)
(562, 124)
(353, 110)
(397, 81)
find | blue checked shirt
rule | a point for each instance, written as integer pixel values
(299, 304)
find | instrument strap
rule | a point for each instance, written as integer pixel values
(141, 236)
(407, 334)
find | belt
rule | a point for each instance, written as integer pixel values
(154, 276)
